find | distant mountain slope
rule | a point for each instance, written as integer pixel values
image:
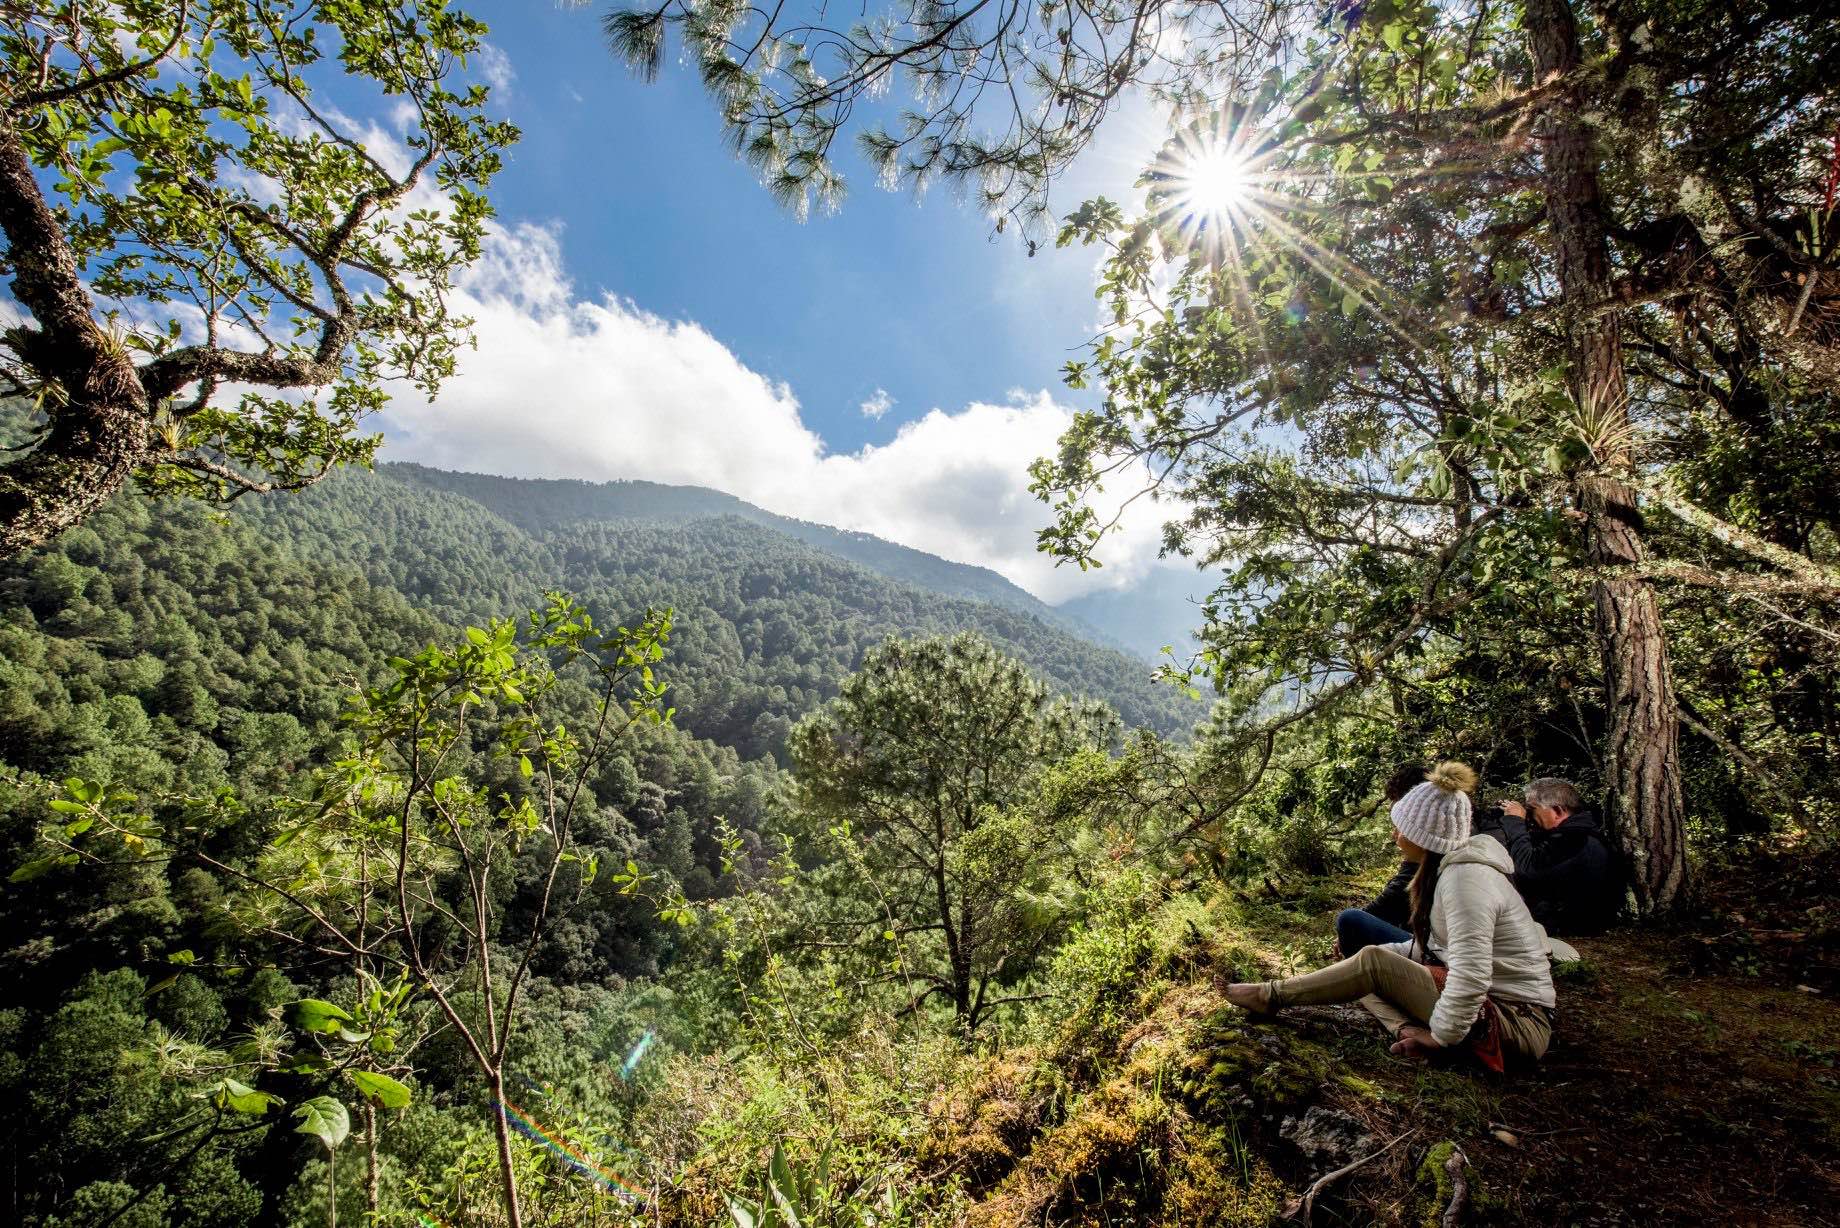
(767, 626)
(463, 562)
(541, 506)
(1161, 610)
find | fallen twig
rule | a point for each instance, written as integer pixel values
(1501, 1125)
(1459, 1188)
(1303, 1207)
(1801, 304)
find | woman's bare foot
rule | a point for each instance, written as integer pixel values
(1250, 996)
(1414, 1042)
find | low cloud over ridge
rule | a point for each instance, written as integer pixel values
(599, 389)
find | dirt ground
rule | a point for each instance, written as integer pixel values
(1694, 1077)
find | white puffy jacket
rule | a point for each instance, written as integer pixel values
(1483, 932)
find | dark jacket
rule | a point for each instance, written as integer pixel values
(1568, 876)
(1394, 903)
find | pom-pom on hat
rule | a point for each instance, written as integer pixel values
(1435, 815)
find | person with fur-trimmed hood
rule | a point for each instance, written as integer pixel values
(1474, 972)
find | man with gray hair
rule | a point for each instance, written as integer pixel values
(1563, 864)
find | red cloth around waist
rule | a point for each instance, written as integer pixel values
(1484, 1039)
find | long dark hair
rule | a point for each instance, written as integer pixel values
(1405, 778)
(1423, 892)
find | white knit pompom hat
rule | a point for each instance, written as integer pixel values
(1435, 815)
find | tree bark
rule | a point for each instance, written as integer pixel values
(99, 421)
(372, 1177)
(1643, 753)
(507, 1169)
(88, 454)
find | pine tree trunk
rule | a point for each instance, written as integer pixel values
(1644, 724)
(1643, 753)
(955, 955)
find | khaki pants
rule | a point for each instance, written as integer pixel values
(1397, 990)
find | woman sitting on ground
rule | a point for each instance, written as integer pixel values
(1490, 985)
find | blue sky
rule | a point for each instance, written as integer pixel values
(915, 297)
(671, 322)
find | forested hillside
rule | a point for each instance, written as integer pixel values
(197, 658)
(545, 506)
(770, 625)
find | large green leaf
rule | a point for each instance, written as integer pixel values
(325, 1119)
(782, 1187)
(241, 1098)
(40, 866)
(314, 1015)
(381, 1088)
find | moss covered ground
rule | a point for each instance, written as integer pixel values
(1689, 1083)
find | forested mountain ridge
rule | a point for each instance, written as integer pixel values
(200, 668)
(161, 646)
(543, 506)
(180, 655)
(768, 625)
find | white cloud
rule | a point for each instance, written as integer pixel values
(878, 404)
(495, 67)
(601, 389)
(377, 138)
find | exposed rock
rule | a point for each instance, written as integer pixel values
(1327, 1138)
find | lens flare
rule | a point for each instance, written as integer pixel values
(1212, 182)
(638, 1051)
(1230, 192)
(570, 1153)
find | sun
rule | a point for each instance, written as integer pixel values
(1214, 181)
(1210, 182)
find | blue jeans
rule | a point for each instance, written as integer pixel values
(1356, 928)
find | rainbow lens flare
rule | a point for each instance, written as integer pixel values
(569, 1152)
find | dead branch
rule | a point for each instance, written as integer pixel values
(1459, 1189)
(1302, 1208)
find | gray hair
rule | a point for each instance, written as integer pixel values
(1554, 793)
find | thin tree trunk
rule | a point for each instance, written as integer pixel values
(1643, 752)
(955, 954)
(372, 1181)
(507, 1172)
